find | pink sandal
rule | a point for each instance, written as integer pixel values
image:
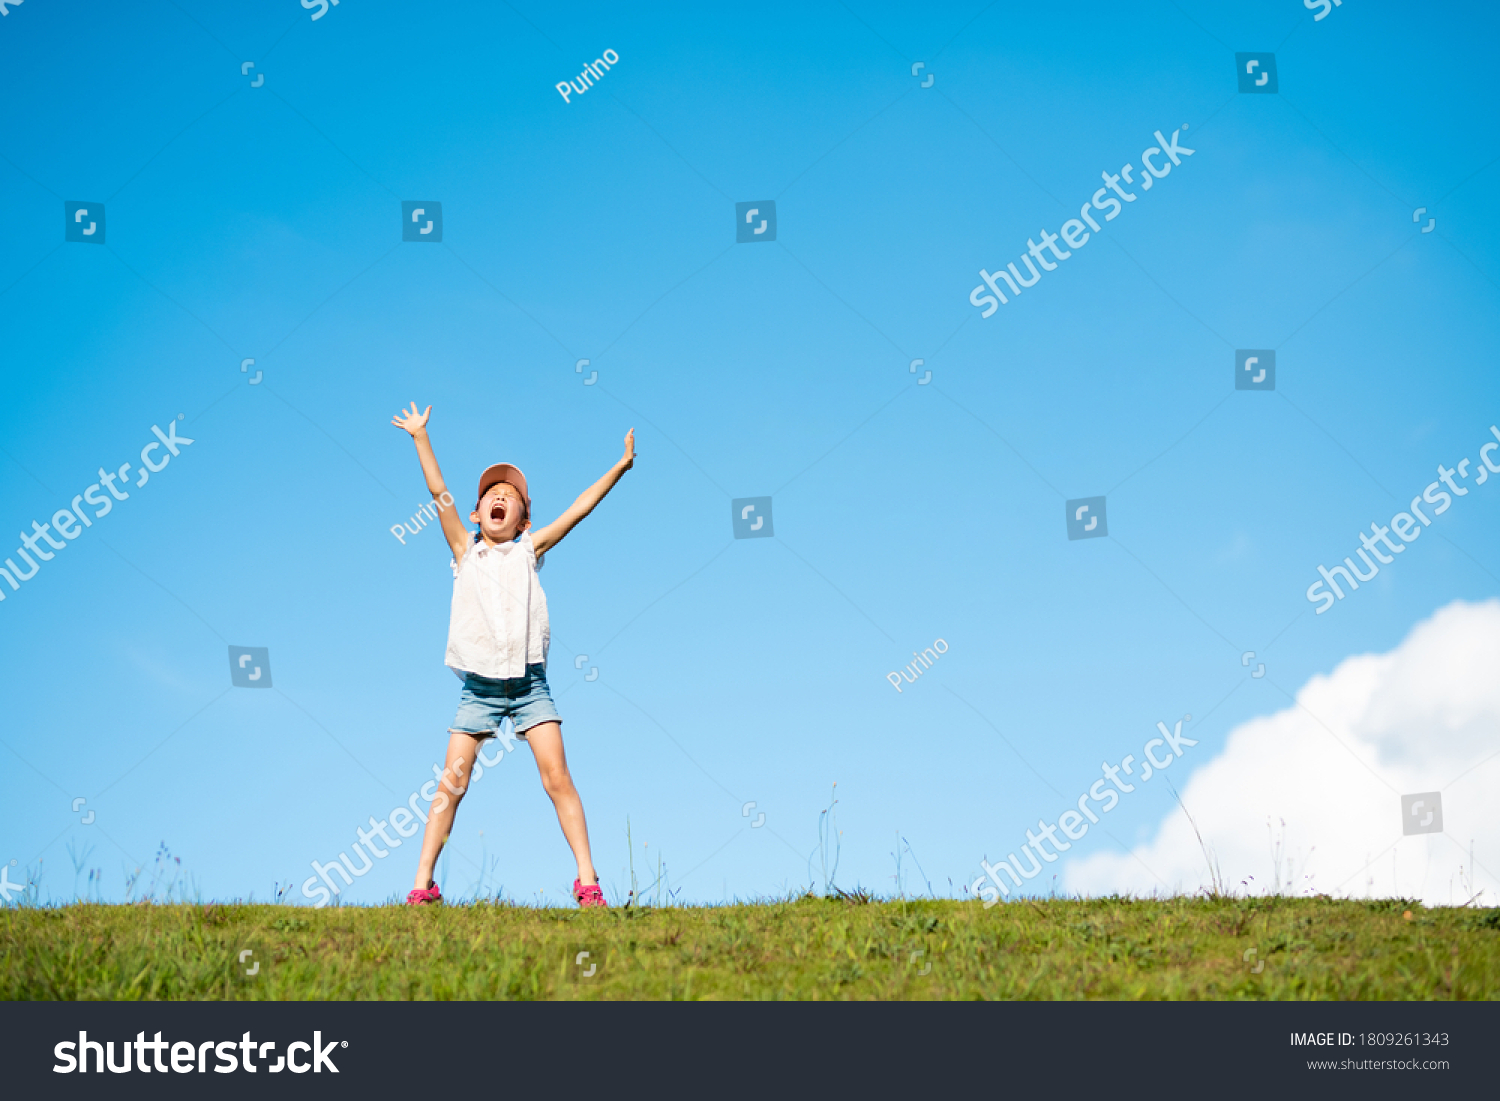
(420, 897)
(589, 896)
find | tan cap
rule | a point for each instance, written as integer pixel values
(504, 472)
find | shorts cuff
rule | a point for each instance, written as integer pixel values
(540, 722)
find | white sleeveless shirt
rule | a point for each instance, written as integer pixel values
(499, 621)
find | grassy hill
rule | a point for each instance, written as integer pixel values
(805, 948)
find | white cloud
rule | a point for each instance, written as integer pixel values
(1423, 717)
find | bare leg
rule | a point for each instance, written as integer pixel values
(546, 744)
(455, 781)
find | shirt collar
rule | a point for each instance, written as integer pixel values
(484, 547)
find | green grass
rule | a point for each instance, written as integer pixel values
(805, 948)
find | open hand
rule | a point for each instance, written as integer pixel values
(412, 421)
(628, 459)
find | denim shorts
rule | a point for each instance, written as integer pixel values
(484, 702)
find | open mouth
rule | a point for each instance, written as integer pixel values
(497, 512)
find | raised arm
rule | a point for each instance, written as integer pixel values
(454, 532)
(553, 533)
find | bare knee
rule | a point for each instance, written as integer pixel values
(455, 778)
(557, 780)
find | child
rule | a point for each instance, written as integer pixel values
(497, 642)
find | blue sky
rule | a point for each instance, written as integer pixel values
(264, 222)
